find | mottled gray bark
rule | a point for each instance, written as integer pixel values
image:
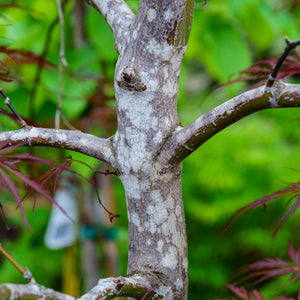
(146, 86)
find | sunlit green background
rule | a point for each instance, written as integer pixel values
(252, 158)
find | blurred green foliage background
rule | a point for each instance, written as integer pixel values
(241, 164)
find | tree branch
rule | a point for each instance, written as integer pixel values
(185, 141)
(66, 139)
(118, 16)
(109, 288)
(291, 45)
(30, 291)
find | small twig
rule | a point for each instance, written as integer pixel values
(62, 63)
(7, 102)
(110, 214)
(25, 272)
(290, 46)
(67, 123)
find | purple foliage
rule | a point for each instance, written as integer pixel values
(259, 72)
(291, 190)
(11, 174)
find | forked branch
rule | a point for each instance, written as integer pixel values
(275, 94)
(185, 141)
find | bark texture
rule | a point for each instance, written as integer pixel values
(146, 86)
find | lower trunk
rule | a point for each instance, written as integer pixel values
(157, 233)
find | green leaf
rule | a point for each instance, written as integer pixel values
(260, 24)
(100, 35)
(219, 45)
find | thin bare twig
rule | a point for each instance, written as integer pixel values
(62, 63)
(16, 265)
(290, 46)
(110, 214)
(67, 123)
(7, 102)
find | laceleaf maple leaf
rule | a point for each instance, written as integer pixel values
(11, 175)
(243, 294)
(270, 268)
(292, 190)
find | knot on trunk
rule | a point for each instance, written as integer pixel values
(130, 80)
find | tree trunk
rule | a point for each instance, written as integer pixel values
(157, 235)
(146, 86)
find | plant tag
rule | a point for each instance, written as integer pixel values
(61, 231)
